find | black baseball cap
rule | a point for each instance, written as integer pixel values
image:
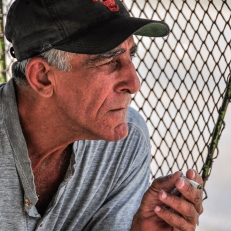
(78, 26)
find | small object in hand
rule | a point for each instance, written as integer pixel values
(192, 182)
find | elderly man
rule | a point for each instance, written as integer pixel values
(73, 154)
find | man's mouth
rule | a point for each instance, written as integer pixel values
(117, 109)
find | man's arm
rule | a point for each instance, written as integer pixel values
(161, 210)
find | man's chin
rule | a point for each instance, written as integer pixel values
(120, 132)
(110, 133)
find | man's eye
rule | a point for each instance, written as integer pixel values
(112, 62)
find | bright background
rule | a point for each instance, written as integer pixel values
(217, 208)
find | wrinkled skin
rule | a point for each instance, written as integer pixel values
(91, 102)
(161, 209)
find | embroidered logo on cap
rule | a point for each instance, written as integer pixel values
(110, 4)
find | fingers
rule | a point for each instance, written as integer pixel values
(174, 220)
(166, 183)
(193, 175)
(183, 207)
(173, 201)
(182, 212)
(151, 196)
(189, 192)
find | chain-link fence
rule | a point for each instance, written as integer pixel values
(183, 78)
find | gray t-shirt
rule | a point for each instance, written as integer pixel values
(102, 189)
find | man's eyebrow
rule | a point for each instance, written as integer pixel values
(111, 54)
(107, 55)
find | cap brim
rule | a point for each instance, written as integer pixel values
(108, 36)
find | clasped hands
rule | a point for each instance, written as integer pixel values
(170, 204)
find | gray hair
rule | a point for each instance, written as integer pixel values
(57, 58)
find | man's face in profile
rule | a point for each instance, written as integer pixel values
(93, 97)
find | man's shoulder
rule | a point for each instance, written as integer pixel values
(136, 122)
(134, 117)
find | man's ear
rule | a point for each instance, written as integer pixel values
(38, 75)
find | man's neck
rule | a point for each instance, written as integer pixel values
(42, 128)
(48, 144)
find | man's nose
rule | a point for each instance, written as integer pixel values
(129, 80)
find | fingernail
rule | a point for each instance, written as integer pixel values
(163, 195)
(193, 174)
(157, 208)
(181, 182)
